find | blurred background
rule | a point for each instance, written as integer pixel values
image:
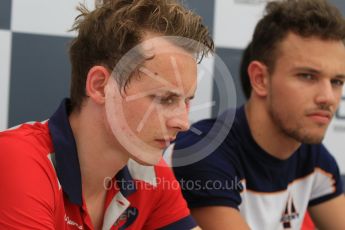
(35, 69)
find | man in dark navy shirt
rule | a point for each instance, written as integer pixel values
(271, 167)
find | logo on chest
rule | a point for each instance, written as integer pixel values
(290, 213)
(127, 218)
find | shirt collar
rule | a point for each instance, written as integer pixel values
(125, 182)
(67, 163)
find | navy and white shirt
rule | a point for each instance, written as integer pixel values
(269, 193)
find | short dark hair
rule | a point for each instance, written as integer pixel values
(306, 18)
(245, 61)
(116, 26)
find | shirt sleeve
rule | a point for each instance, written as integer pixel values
(327, 182)
(171, 210)
(212, 181)
(27, 200)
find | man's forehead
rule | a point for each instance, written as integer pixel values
(312, 50)
(293, 43)
(155, 44)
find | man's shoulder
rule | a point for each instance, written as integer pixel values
(315, 159)
(317, 154)
(24, 158)
(27, 141)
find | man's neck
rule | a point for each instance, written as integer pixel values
(266, 133)
(99, 157)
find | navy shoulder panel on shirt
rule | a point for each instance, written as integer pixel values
(323, 158)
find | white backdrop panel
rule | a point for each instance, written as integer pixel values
(45, 16)
(235, 22)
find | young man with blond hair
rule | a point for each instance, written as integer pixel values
(97, 162)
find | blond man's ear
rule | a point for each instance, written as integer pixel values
(97, 79)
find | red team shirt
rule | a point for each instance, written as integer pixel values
(41, 185)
